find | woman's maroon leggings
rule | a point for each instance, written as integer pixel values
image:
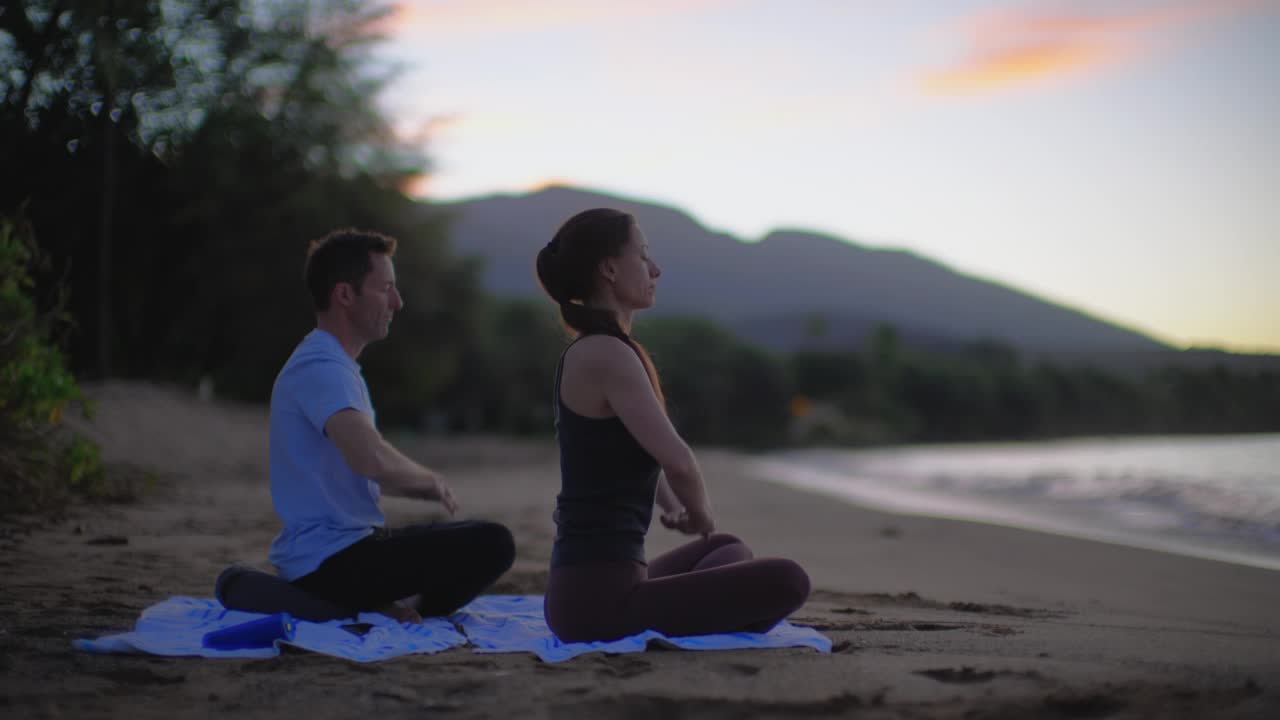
(711, 585)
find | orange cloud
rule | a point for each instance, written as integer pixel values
(470, 17)
(1012, 66)
(1014, 48)
(417, 187)
(425, 186)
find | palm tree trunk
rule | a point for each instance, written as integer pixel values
(107, 59)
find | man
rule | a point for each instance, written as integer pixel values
(329, 463)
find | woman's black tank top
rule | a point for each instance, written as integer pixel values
(607, 487)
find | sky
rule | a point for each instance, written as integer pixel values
(1120, 157)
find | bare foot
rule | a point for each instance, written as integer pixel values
(400, 613)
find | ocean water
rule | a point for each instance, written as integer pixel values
(1214, 497)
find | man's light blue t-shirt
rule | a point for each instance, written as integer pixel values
(324, 504)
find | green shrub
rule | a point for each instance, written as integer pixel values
(40, 463)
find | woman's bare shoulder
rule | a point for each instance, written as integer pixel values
(600, 352)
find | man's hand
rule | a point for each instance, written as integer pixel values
(433, 487)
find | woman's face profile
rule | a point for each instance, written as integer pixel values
(636, 274)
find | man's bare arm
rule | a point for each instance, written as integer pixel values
(370, 455)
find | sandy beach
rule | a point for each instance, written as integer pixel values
(930, 618)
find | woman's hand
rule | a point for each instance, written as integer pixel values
(688, 523)
(671, 520)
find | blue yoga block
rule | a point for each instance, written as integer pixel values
(258, 633)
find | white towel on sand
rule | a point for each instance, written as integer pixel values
(177, 626)
(491, 623)
(514, 623)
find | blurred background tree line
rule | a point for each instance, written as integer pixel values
(175, 157)
(166, 162)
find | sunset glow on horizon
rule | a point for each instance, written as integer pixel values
(1120, 158)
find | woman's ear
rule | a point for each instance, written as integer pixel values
(608, 270)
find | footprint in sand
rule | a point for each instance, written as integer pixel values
(140, 676)
(968, 675)
(739, 669)
(576, 691)
(1006, 610)
(911, 599)
(622, 667)
(883, 625)
(850, 611)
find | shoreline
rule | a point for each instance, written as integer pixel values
(865, 494)
(1206, 496)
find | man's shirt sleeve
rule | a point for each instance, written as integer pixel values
(324, 388)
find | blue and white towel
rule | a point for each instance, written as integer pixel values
(514, 623)
(492, 623)
(177, 627)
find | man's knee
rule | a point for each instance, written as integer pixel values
(498, 543)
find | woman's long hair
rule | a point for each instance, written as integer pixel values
(567, 270)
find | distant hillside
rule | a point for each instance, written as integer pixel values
(792, 287)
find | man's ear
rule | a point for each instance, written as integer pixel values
(344, 294)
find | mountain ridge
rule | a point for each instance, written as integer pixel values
(768, 290)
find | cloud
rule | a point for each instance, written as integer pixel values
(1010, 48)
(455, 18)
(1004, 67)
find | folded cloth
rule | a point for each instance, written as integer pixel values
(177, 626)
(514, 623)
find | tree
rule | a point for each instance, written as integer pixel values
(719, 390)
(194, 148)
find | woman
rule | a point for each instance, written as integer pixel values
(615, 438)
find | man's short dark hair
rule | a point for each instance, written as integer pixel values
(342, 256)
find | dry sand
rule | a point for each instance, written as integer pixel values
(930, 618)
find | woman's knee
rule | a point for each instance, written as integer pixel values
(796, 581)
(789, 581)
(721, 539)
